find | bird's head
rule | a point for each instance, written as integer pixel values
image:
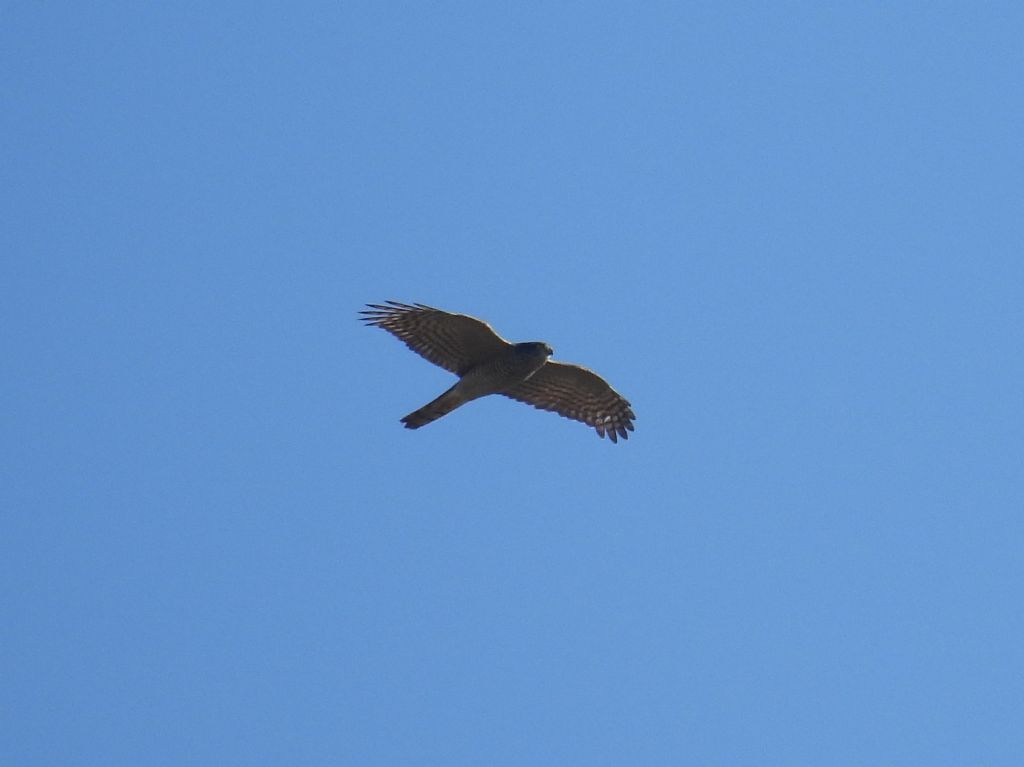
(536, 347)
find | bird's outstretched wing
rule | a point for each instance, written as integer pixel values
(456, 342)
(575, 392)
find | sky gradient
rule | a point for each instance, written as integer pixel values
(791, 235)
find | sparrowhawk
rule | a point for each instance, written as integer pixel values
(488, 364)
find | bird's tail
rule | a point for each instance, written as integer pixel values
(443, 405)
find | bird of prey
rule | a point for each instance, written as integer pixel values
(488, 364)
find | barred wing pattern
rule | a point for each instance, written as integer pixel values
(456, 342)
(577, 393)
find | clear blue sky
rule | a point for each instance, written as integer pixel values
(791, 234)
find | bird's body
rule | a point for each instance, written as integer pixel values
(488, 364)
(491, 377)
